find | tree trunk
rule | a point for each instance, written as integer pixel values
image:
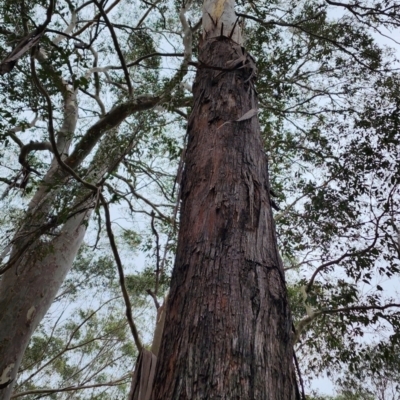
(28, 289)
(228, 329)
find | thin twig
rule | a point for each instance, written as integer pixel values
(117, 258)
(299, 375)
(343, 256)
(72, 388)
(153, 228)
(152, 6)
(96, 17)
(116, 45)
(151, 293)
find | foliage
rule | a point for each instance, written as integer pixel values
(329, 110)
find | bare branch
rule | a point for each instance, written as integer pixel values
(112, 119)
(72, 388)
(96, 96)
(32, 146)
(152, 6)
(96, 17)
(68, 30)
(139, 196)
(116, 45)
(157, 272)
(154, 297)
(133, 63)
(120, 268)
(360, 308)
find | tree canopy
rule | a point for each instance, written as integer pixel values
(101, 92)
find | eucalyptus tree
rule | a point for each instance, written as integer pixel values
(378, 379)
(66, 190)
(228, 329)
(105, 89)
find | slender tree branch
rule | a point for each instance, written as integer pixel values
(289, 207)
(154, 297)
(82, 6)
(133, 63)
(97, 85)
(67, 345)
(358, 308)
(73, 388)
(308, 32)
(296, 362)
(96, 17)
(112, 119)
(155, 233)
(157, 54)
(181, 113)
(152, 6)
(32, 146)
(68, 36)
(12, 132)
(345, 255)
(120, 268)
(68, 30)
(8, 181)
(116, 45)
(390, 11)
(139, 196)
(307, 320)
(4, 31)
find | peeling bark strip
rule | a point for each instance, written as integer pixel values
(227, 332)
(219, 18)
(143, 377)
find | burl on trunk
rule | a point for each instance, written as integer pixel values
(228, 330)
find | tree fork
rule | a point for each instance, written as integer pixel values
(228, 329)
(28, 289)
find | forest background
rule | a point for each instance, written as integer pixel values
(110, 88)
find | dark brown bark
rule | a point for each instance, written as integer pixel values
(228, 330)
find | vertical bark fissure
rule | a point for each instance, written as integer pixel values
(228, 332)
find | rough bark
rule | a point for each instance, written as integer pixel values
(228, 330)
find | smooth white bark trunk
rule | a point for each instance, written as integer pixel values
(28, 289)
